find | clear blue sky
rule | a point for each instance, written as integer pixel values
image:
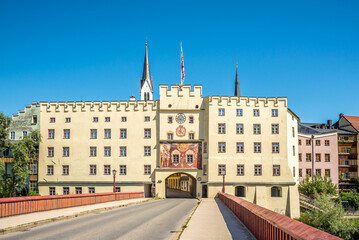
(93, 50)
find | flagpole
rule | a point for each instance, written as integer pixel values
(182, 67)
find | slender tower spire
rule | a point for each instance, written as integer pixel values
(146, 80)
(237, 91)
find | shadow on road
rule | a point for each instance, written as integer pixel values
(174, 193)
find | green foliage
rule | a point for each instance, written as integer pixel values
(32, 193)
(352, 197)
(317, 185)
(328, 217)
(4, 132)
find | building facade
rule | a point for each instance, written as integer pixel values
(318, 150)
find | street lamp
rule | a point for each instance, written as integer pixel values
(114, 179)
(223, 174)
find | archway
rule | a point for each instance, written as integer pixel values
(180, 185)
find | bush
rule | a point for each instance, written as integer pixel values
(32, 193)
(352, 197)
(318, 185)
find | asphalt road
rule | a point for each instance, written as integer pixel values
(157, 219)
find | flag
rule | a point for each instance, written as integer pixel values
(182, 66)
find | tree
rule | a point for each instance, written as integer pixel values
(317, 184)
(5, 122)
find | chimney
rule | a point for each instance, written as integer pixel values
(132, 99)
(341, 115)
(330, 123)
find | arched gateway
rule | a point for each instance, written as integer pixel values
(180, 185)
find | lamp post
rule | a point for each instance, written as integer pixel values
(224, 175)
(114, 179)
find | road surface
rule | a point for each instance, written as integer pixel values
(157, 219)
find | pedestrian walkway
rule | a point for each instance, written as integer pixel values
(9, 223)
(213, 220)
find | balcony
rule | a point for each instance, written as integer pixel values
(346, 139)
(348, 163)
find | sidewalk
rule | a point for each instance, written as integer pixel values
(213, 220)
(31, 219)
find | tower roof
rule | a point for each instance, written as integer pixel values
(237, 91)
(146, 75)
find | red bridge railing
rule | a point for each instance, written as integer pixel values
(266, 224)
(21, 205)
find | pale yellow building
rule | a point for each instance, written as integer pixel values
(252, 141)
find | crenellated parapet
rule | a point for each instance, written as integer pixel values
(180, 97)
(247, 101)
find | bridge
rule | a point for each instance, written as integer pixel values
(131, 216)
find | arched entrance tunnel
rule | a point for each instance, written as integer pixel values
(180, 185)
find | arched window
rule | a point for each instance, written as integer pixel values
(276, 192)
(240, 191)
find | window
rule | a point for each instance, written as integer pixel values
(147, 132)
(317, 142)
(147, 119)
(275, 147)
(92, 169)
(65, 170)
(300, 172)
(205, 147)
(256, 112)
(170, 119)
(191, 136)
(107, 169)
(327, 157)
(66, 190)
(191, 119)
(123, 133)
(34, 186)
(50, 170)
(299, 157)
(239, 112)
(107, 151)
(123, 119)
(276, 192)
(91, 190)
(52, 120)
(123, 170)
(256, 129)
(240, 191)
(107, 119)
(118, 189)
(123, 151)
(51, 133)
(274, 112)
(293, 150)
(66, 133)
(78, 190)
(275, 128)
(12, 135)
(221, 147)
(308, 172)
(65, 151)
(326, 142)
(221, 169)
(299, 142)
(52, 191)
(221, 128)
(175, 158)
(204, 169)
(221, 112)
(24, 134)
(34, 119)
(257, 147)
(276, 170)
(257, 170)
(67, 120)
(307, 142)
(170, 136)
(107, 133)
(239, 128)
(293, 132)
(93, 151)
(93, 133)
(50, 151)
(147, 169)
(308, 157)
(189, 159)
(95, 119)
(33, 167)
(327, 172)
(147, 150)
(240, 147)
(293, 171)
(240, 170)
(318, 157)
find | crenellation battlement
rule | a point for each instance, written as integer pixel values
(248, 101)
(180, 91)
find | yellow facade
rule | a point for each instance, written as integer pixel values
(185, 139)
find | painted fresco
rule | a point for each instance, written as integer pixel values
(181, 149)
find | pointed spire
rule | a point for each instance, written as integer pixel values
(146, 75)
(237, 91)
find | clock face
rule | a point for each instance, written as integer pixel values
(180, 118)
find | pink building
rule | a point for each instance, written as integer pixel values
(318, 142)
